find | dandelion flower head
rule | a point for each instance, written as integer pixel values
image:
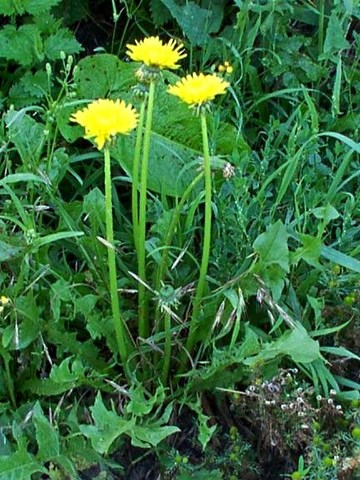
(105, 118)
(154, 53)
(198, 89)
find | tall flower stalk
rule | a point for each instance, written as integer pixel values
(206, 240)
(144, 327)
(102, 120)
(155, 56)
(135, 175)
(118, 321)
(198, 90)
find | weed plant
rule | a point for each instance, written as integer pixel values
(179, 281)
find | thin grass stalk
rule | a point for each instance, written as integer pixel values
(118, 320)
(135, 175)
(194, 323)
(144, 327)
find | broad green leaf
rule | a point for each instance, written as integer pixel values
(94, 205)
(108, 426)
(176, 145)
(35, 7)
(272, 247)
(64, 373)
(335, 39)
(61, 41)
(326, 213)
(295, 343)
(21, 465)
(26, 134)
(172, 166)
(139, 404)
(309, 251)
(47, 436)
(23, 45)
(147, 436)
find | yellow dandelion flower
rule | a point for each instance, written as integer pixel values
(154, 53)
(198, 89)
(104, 118)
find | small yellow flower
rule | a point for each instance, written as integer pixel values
(198, 89)
(154, 53)
(4, 300)
(226, 67)
(104, 118)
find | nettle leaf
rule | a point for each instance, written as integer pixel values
(196, 22)
(159, 13)
(23, 45)
(19, 7)
(61, 41)
(29, 89)
(47, 436)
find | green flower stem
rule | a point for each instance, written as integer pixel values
(135, 175)
(194, 323)
(167, 350)
(118, 321)
(143, 301)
